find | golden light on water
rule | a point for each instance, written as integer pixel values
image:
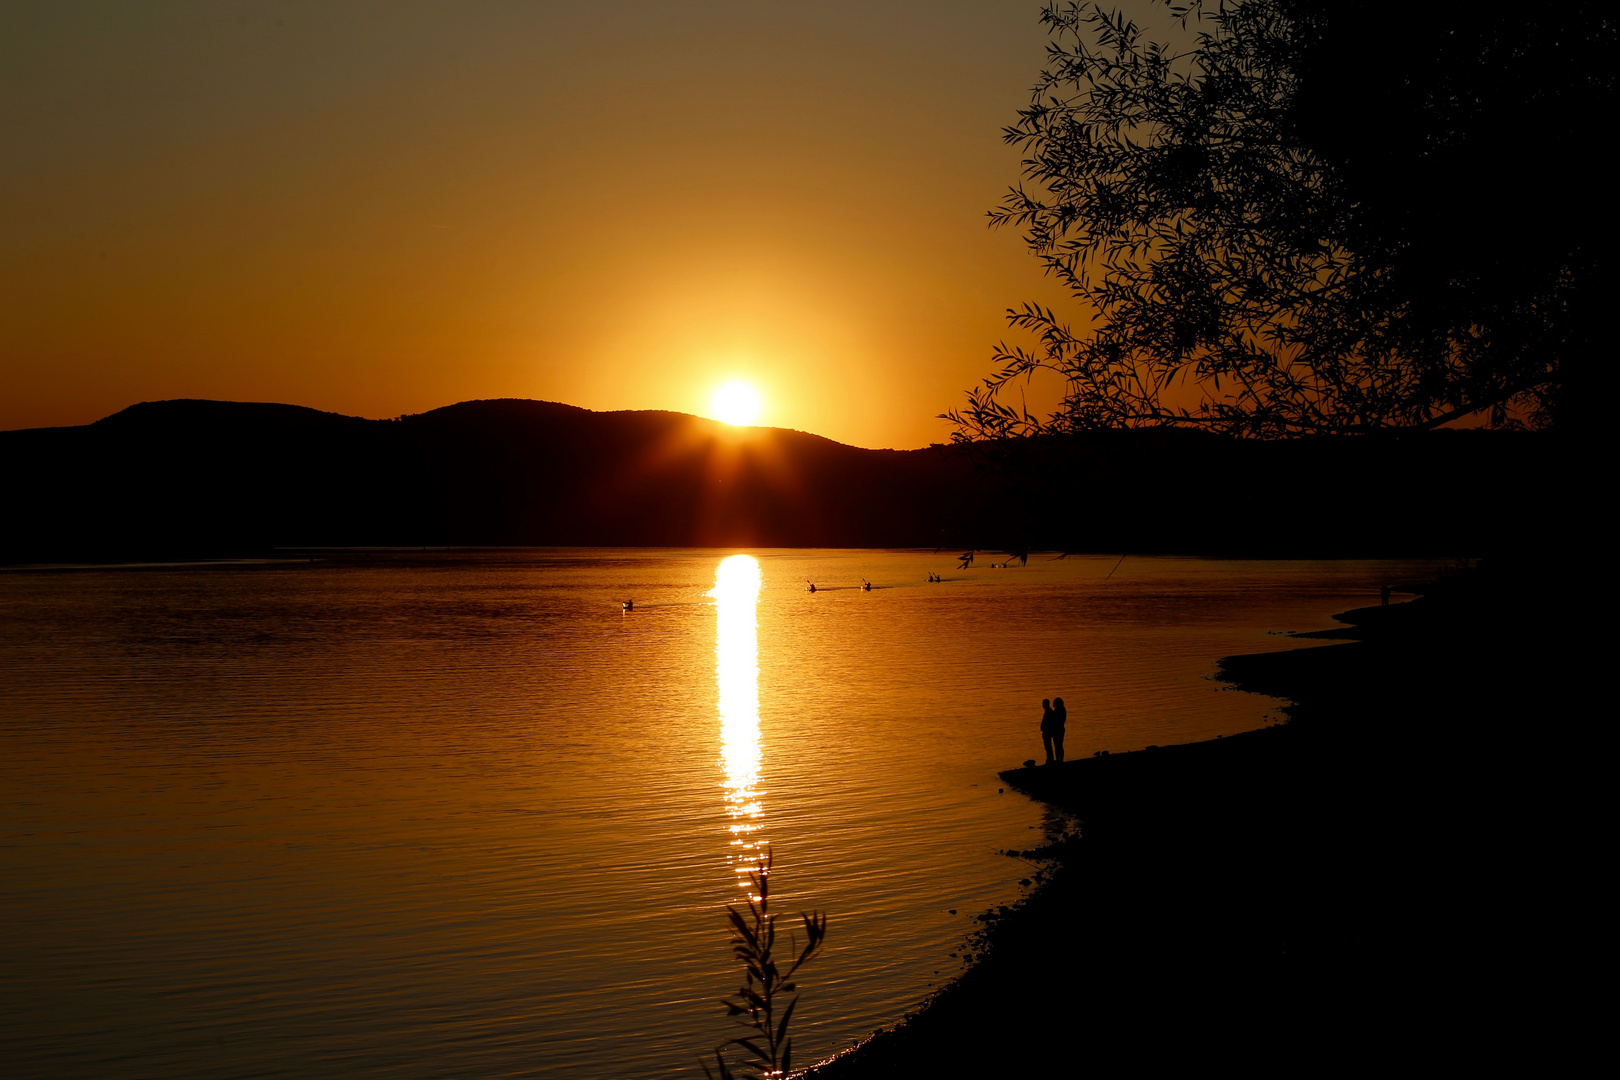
(736, 403)
(736, 651)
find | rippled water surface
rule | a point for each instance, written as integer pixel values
(461, 815)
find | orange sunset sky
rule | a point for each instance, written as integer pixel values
(383, 207)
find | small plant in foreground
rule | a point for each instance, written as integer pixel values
(753, 943)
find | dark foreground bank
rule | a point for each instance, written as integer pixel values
(1387, 881)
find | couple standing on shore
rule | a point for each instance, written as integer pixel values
(1053, 717)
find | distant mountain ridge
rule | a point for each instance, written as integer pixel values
(186, 478)
(194, 477)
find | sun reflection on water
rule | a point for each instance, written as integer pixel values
(736, 651)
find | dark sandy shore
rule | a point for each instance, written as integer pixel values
(1376, 885)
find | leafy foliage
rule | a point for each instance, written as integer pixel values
(769, 1044)
(1310, 218)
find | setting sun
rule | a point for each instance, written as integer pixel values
(735, 403)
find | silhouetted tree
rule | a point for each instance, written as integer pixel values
(1314, 217)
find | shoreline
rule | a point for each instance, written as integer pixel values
(1305, 895)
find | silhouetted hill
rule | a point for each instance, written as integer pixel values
(189, 478)
(196, 477)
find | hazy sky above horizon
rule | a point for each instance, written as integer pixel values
(384, 207)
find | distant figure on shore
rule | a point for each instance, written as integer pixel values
(1046, 728)
(1383, 594)
(1060, 718)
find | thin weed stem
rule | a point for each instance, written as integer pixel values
(757, 1005)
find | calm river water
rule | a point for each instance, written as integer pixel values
(461, 815)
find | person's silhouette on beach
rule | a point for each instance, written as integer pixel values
(1060, 717)
(1046, 728)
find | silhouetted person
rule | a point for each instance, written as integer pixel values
(1046, 728)
(1060, 717)
(1383, 594)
